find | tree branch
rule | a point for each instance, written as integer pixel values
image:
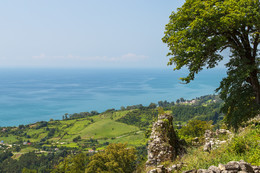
(256, 42)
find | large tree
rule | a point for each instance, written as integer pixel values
(197, 34)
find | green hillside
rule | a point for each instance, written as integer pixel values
(92, 132)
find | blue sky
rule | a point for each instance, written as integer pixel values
(84, 33)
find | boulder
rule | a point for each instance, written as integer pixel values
(204, 171)
(221, 167)
(245, 167)
(230, 171)
(256, 168)
(207, 147)
(214, 169)
(232, 166)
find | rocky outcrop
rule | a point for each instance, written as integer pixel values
(230, 167)
(212, 141)
(163, 144)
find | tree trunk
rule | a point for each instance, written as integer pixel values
(256, 86)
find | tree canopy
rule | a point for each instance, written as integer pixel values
(197, 34)
(116, 158)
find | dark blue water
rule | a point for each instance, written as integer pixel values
(30, 95)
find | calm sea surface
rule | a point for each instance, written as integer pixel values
(30, 95)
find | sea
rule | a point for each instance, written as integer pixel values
(31, 95)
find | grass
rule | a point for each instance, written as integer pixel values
(10, 139)
(244, 146)
(132, 139)
(103, 127)
(106, 129)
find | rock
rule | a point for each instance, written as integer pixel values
(214, 169)
(153, 171)
(221, 167)
(161, 166)
(246, 167)
(172, 168)
(204, 171)
(232, 166)
(190, 171)
(226, 171)
(208, 134)
(179, 166)
(256, 168)
(159, 169)
(222, 142)
(207, 147)
(163, 144)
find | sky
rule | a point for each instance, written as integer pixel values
(84, 33)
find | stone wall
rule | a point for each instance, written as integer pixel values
(212, 141)
(230, 167)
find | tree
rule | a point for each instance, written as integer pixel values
(152, 106)
(200, 30)
(116, 158)
(72, 164)
(195, 128)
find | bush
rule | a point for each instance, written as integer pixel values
(116, 158)
(76, 139)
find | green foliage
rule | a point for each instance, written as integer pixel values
(117, 158)
(160, 111)
(249, 143)
(72, 164)
(25, 170)
(141, 118)
(204, 113)
(194, 128)
(198, 32)
(244, 146)
(29, 162)
(76, 139)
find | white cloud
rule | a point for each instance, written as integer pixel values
(41, 56)
(129, 57)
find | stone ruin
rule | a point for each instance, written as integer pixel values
(211, 139)
(163, 144)
(231, 167)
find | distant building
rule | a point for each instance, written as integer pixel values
(91, 151)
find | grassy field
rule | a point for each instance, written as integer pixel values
(102, 127)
